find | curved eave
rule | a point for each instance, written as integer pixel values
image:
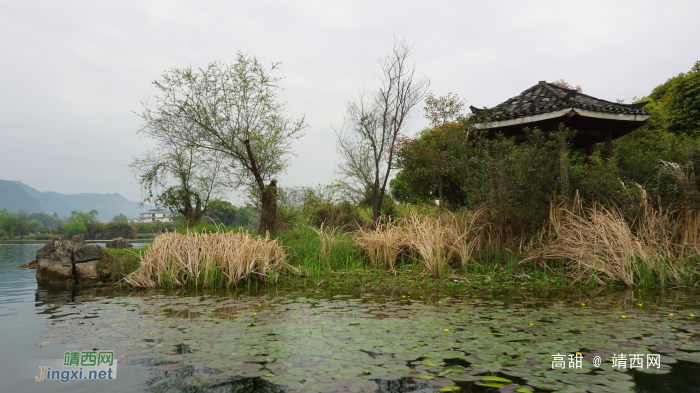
(525, 121)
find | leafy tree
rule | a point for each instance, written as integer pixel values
(684, 103)
(433, 162)
(46, 220)
(25, 224)
(121, 229)
(120, 217)
(443, 110)
(367, 141)
(8, 223)
(222, 212)
(78, 222)
(176, 174)
(232, 110)
(75, 228)
(96, 230)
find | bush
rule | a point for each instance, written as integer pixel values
(96, 230)
(120, 229)
(74, 228)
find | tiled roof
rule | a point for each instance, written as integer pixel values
(547, 97)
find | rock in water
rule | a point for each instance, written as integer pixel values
(55, 261)
(78, 240)
(89, 253)
(119, 243)
(87, 273)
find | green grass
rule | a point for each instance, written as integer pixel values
(119, 262)
(346, 265)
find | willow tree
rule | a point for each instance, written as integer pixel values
(232, 110)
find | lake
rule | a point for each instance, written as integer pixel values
(350, 340)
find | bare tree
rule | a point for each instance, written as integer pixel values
(373, 124)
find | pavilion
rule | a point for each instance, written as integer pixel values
(546, 105)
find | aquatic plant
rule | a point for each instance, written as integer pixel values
(599, 245)
(207, 259)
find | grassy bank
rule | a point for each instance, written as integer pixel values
(584, 247)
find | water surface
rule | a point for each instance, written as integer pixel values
(350, 340)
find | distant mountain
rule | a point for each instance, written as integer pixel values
(18, 195)
(14, 198)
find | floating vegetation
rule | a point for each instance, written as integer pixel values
(366, 342)
(207, 260)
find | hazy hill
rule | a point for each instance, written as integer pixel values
(24, 197)
(14, 198)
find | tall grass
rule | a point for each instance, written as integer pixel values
(599, 245)
(207, 259)
(319, 251)
(436, 241)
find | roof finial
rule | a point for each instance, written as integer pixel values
(543, 82)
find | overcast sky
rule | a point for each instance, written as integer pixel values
(73, 73)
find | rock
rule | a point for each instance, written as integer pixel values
(33, 264)
(55, 261)
(89, 253)
(23, 266)
(119, 243)
(87, 273)
(78, 240)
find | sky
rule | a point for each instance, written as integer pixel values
(73, 74)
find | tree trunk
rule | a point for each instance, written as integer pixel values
(440, 191)
(268, 215)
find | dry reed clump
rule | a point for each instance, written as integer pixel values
(434, 240)
(207, 259)
(599, 244)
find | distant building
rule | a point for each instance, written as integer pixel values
(154, 215)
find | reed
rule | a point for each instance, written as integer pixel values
(207, 259)
(328, 239)
(599, 245)
(436, 240)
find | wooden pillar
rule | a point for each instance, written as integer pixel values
(608, 144)
(563, 168)
(589, 150)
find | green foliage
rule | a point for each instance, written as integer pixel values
(120, 217)
(25, 225)
(47, 221)
(433, 165)
(8, 223)
(155, 227)
(121, 229)
(81, 217)
(638, 155)
(675, 105)
(231, 111)
(223, 212)
(678, 186)
(75, 228)
(119, 262)
(684, 103)
(96, 230)
(514, 181)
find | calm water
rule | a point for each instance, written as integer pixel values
(353, 341)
